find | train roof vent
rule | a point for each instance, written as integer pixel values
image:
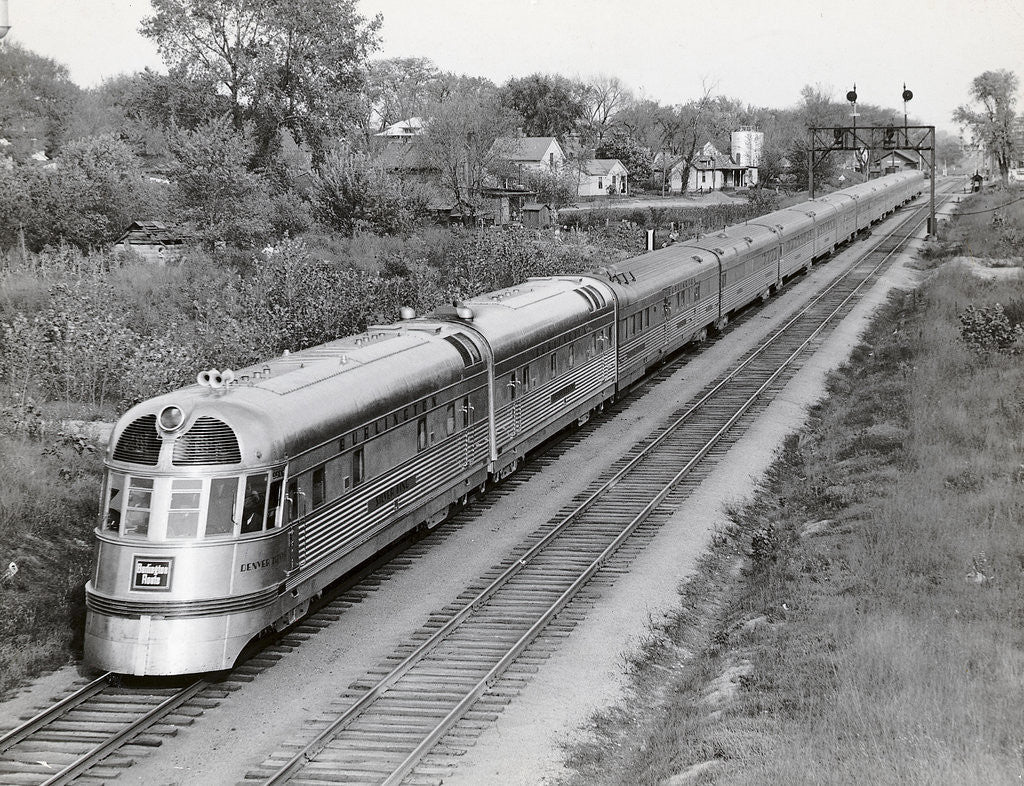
(139, 443)
(469, 351)
(592, 295)
(209, 441)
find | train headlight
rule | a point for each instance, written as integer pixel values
(171, 418)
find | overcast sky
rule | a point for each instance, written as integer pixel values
(760, 51)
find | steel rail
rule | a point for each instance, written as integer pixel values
(29, 727)
(443, 726)
(136, 727)
(315, 746)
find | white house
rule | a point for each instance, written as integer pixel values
(604, 176)
(709, 171)
(403, 129)
(537, 153)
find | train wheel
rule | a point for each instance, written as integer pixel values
(722, 322)
(766, 295)
(702, 336)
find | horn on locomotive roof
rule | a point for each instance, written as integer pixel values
(407, 312)
(464, 312)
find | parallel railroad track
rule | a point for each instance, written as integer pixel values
(467, 662)
(410, 718)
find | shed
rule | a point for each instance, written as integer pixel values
(537, 215)
(154, 241)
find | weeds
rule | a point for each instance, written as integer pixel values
(880, 609)
(988, 329)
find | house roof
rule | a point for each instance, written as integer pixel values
(151, 233)
(529, 148)
(411, 127)
(603, 166)
(909, 156)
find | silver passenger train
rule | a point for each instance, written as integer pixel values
(229, 505)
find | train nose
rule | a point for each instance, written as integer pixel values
(149, 645)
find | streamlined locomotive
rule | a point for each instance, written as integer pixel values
(229, 505)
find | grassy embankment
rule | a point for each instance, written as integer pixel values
(862, 619)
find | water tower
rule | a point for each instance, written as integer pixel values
(746, 145)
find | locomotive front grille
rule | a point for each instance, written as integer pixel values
(209, 441)
(139, 443)
(116, 607)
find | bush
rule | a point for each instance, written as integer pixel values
(988, 329)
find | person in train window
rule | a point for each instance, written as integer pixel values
(255, 499)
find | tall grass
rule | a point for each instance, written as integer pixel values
(48, 507)
(889, 646)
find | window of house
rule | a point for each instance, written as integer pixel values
(600, 183)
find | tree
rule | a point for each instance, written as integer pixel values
(214, 193)
(992, 125)
(38, 100)
(353, 191)
(281, 62)
(634, 156)
(93, 191)
(396, 89)
(549, 105)
(464, 140)
(603, 98)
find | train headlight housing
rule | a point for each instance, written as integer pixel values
(171, 418)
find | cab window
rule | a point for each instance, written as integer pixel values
(115, 499)
(273, 503)
(138, 504)
(220, 513)
(255, 503)
(183, 515)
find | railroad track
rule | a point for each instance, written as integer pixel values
(469, 659)
(411, 717)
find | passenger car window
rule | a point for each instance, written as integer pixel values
(357, 467)
(319, 487)
(449, 419)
